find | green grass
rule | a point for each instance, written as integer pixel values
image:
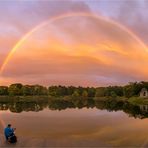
(27, 99)
(5, 99)
(138, 101)
(118, 98)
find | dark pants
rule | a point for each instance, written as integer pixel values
(12, 138)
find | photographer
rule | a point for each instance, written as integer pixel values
(9, 134)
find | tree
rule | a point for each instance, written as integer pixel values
(100, 92)
(85, 94)
(52, 91)
(61, 91)
(113, 94)
(76, 94)
(118, 90)
(3, 90)
(70, 90)
(27, 90)
(91, 91)
(39, 90)
(132, 89)
(15, 89)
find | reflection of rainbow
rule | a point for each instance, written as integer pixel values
(2, 124)
(21, 41)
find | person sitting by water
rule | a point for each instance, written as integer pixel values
(9, 134)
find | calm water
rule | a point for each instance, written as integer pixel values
(75, 128)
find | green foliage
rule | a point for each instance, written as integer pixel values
(118, 90)
(138, 101)
(100, 92)
(113, 94)
(39, 90)
(91, 91)
(3, 90)
(57, 90)
(130, 90)
(133, 89)
(27, 90)
(112, 91)
(15, 89)
(76, 94)
(85, 94)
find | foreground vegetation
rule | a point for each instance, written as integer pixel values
(127, 93)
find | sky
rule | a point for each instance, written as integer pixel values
(73, 42)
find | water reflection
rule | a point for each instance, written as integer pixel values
(65, 123)
(140, 111)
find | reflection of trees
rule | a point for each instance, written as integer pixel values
(131, 110)
(18, 107)
(4, 106)
(61, 104)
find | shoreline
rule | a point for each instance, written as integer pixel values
(45, 99)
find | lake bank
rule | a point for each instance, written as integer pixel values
(135, 100)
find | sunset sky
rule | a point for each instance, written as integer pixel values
(73, 42)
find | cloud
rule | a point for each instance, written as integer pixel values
(19, 17)
(67, 52)
(84, 50)
(135, 17)
(24, 15)
(130, 13)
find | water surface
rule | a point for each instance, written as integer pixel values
(87, 127)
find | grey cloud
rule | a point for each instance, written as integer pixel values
(26, 14)
(133, 14)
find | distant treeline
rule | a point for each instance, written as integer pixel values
(18, 89)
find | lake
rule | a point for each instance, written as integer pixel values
(43, 126)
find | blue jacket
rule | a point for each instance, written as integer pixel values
(8, 132)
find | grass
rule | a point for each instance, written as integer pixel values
(138, 101)
(5, 99)
(132, 100)
(118, 98)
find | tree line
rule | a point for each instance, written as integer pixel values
(18, 89)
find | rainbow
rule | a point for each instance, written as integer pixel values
(22, 40)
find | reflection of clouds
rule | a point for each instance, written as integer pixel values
(122, 132)
(105, 112)
(90, 125)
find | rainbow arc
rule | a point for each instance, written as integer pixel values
(24, 38)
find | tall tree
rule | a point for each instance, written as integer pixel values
(3, 90)
(15, 89)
